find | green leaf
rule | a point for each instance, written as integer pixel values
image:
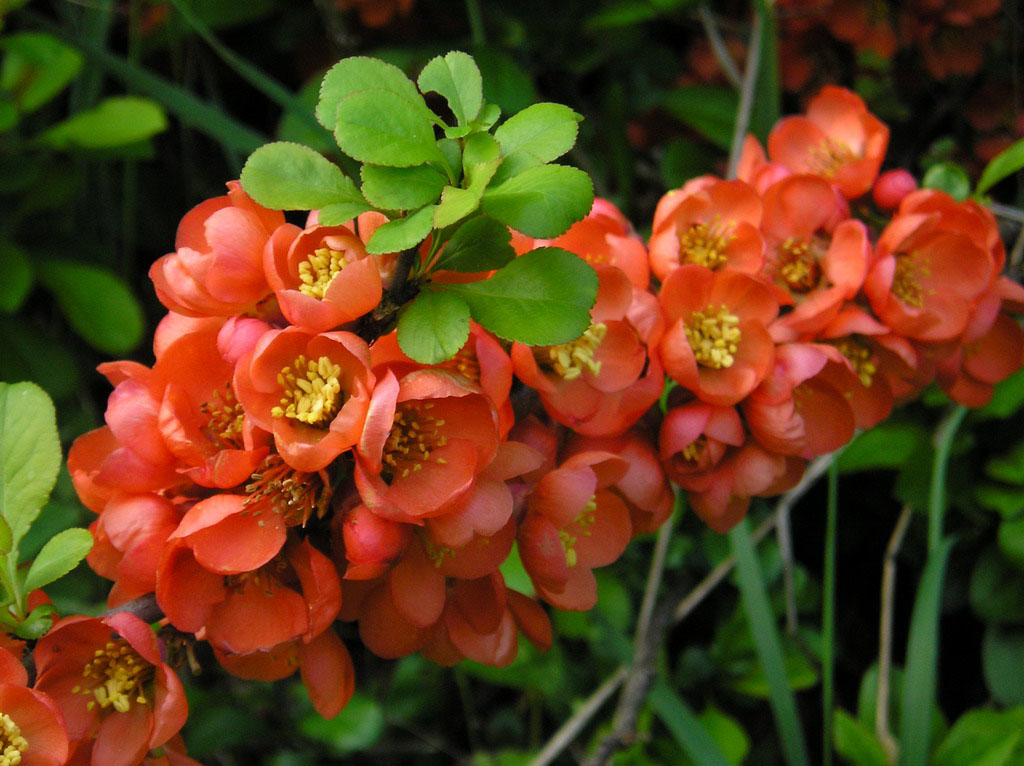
(456, 77)
(38, 623)
(1002, 662)
(727, 733)
(983, 738)
(480, 158)
(29, 454)
(29, 354)
(489, 115)
(709, 110)
(948, 177)
(36, 67)
(15, 276)
(1011, 540)
(506, 83)
(1006, 501)
(1008, 468)
(1006, 163)
(455, 204)
(887, 445)
(767, 93)
(401, 188)
(433, 327)
(541, 201)
(685, 727)
(402, 233)
(358, 73)
(537, 135)
(60, 555)
(541, 298)
(287, 176)
(1006, 400)
(922, 659)
(97, 303)
(996, 591)
(451, 151)
(341, 212)
(115, 121)
(355, 728)
(769, 648)
(856, 742)
(383, 128)
(6, 539)
(480, 244)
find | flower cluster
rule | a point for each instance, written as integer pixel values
(791, 322)
(284, 464)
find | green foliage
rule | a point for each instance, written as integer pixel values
(456, 77)
(1003, 165)
(1002, 661)
(355, 728)
(708, 110)
(59, 555)
(115, 121)
(535, 136)
(948, 177)
(541, 201)
(984, 738)
(687, 729)
(36, 67)
(286, 176)
(541, 298)
(856, 742)
(15, 276)
(383, 128)
(97, 303)
(433, 327)
(355, 74)
(402, 233)
(401, 188)
(481, 243)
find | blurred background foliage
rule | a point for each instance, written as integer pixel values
(117, 117)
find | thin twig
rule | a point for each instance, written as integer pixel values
(652, 625)
(569, 730)
(1007, 211)
(1017, 253)
(746, 104)
(579, 720)
(885, 635)
(718, 47)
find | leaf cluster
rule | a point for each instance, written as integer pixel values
(452, 186)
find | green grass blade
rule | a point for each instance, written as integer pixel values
(937, 490)
(262, 82)
(922, 657)
(769, 646)
(768, 102)
(190, 110)
(828, 614)
(687, 729)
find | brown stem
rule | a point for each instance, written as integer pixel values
(885, 636)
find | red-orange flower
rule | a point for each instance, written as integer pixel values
(717, 344)
(111, 685)
(31, 726)
(322, 276)
(838, 139)
(710, 223)
(217, 266)
(311, 391)
(606, 238)
(240, 612)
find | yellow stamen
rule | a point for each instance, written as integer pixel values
(705, 244)
(859, 356)
(294, 495)
(829, 155)
(582, 522)
(226, 417)
(695, 450)
(414, 435)
(319, 270)
(569, 360)
(465, 364)
(911, 270)
(12, 744)
(797, 264)
(115, 677)
(312, 392)
(714, 337)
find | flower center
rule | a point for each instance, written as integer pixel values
(437, 552)
(319, 270)
(312, 392)
(829, 155)
(114, 677)
(224, 418)
(797, 264)
(465, 364)
(911, 270)
(859, 356)
(12, 744)
(583, 521)
(264, 579)
(569, 360)
(695, 450)
(291, 494)
(415, 433)
(714, 336)
(704, 244)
